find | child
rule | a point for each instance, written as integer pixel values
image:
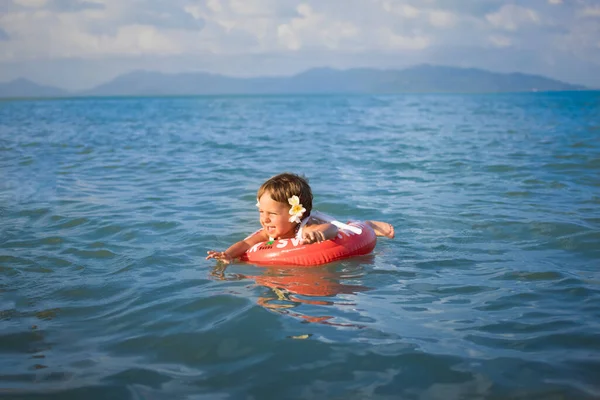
(285, 205)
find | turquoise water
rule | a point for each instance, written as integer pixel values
(490, 289)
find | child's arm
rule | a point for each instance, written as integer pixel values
(237, 249)
(318, 233)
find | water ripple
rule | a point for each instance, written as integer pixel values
(490, 289)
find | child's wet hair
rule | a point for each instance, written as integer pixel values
(283, 186)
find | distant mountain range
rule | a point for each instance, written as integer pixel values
(418, 79)
(25, 88)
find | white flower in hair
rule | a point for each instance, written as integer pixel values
(257, 203)
(296, 209)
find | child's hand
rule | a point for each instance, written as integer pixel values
(313, 237)
(219, 256)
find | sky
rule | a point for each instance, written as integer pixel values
(78, 44)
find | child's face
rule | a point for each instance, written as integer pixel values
(275, 217)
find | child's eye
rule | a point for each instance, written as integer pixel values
(268, 212)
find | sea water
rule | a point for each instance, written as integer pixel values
(491, 288)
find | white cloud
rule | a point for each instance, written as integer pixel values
(288, 38)
(241, 27)
(500, 41)
(260, 8)
(199, 13)
(400, 9)
(135, 39)
(511, 17)
(44, 34)
(341, 33)
(442, 19)
(312, 29)
(398, 42)
(591, 11)
(31, 3)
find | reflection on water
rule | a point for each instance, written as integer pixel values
(292, 287)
